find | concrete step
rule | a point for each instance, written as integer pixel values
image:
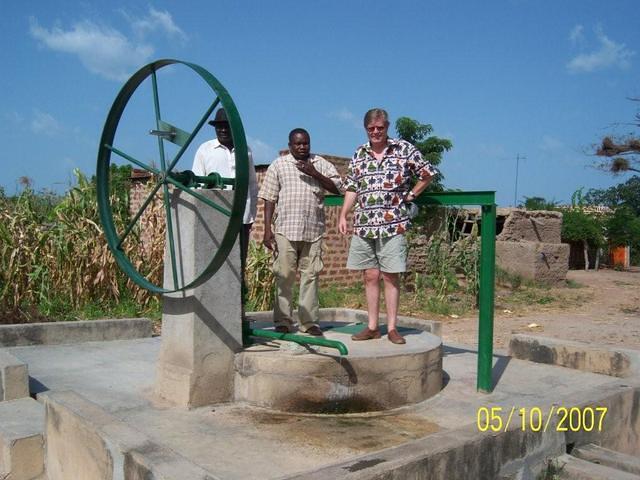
(85, 442)
(573, 468)
(14, 377)
(610, 458)
(21, 439)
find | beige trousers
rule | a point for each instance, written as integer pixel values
(293, 256)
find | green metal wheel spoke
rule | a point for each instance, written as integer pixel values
(138, 214)
(142, 165)
(164, 176)
(165, 197)
(195, 131)
(200, 197)
(156, 107)
(172, 251)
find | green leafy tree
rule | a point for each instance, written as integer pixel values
(583, 227)
(624, 194)
(539, 203)
(623, 227)
(431, 147)
(579, 226)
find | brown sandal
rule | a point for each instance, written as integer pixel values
(366, 334)
(395, 337)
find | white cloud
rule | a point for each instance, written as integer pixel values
(45, 123)
(263, 153)
(608, 54)
(577, 34)
(156, 20)
(347, 116)
(101, 49)
(106, 51)
(550, 144)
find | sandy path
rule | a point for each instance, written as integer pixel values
(606, 310)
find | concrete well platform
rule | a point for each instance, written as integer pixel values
(376, 374)
(438, 438)
(103, 415)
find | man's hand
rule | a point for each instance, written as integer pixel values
(269, 241)
(342, 225)
(306, 167)
(349, 201)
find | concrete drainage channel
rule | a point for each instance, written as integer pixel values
(100, 420)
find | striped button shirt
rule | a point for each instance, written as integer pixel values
(299, 198)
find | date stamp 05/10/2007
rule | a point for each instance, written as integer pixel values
(538, 419)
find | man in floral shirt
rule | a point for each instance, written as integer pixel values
(379, 184)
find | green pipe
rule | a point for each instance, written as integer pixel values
(301, 339)
(214, 180)
(190, 179)
(487, 282)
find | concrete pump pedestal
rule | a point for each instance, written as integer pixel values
(201, 326)
(376, 374)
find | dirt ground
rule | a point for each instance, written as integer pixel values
(595, 307)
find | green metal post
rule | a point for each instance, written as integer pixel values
(487, 279)
(486, 199)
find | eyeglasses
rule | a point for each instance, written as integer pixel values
(375, 128)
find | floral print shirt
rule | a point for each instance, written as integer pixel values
(381, 186)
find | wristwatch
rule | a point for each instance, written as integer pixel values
(413, 196)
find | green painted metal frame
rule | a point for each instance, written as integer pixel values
(486, 201)
(165, 174)
(301, 339)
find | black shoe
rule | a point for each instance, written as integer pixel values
(282, 329)
(314, 331)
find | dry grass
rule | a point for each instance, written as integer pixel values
(55, 262)
(259, 278)
(54, 257)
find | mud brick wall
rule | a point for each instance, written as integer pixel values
(530, 245)
(540, 261)
(533, 226)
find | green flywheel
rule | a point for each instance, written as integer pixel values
(166, 177)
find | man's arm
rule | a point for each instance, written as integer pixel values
(349, 201)
(252, 194)
(268, 240)
(417, 189)
(425, 172)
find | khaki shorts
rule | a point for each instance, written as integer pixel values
(385, 254)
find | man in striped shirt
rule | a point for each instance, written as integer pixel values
(294, 189)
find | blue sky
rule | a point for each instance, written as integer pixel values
(542, 79)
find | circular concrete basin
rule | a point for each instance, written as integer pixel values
(376, 374)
